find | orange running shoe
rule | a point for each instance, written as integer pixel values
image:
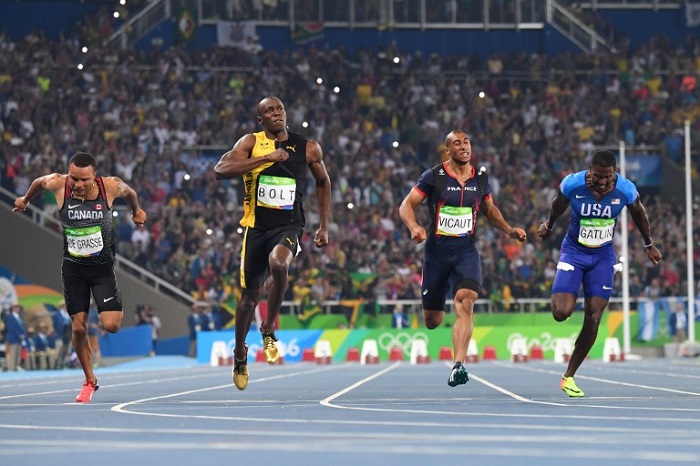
(85, 395)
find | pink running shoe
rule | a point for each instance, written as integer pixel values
(85, 395)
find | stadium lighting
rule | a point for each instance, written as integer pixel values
(186, 177)
(350, 205)
(122, 2)
(305, 124)
(395, 144)
(116, 14)
(80, 66)
(84, 49)
(209, 231)
(319, 80)
(482, 94)
(397, 60)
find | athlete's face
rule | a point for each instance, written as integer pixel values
(272, 116)
(81, 179)
(602, 179)
(459, 147)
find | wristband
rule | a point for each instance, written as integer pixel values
(647, 246)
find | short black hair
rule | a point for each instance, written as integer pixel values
(260, 105)
(604, 158)
(453, 132)
(82, 159)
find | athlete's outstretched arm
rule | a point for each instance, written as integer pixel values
(641, 220)
(55, 182)
(495, 218)
(314, 159)
(559, 205)
(116, 187)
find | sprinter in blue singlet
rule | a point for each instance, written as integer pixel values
(597, 197)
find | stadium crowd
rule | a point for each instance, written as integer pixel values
(161, 118)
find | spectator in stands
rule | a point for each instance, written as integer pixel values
(15, 338)
(29, 359)
(141, 315)
(63, 331)
(155, 328)
(44, 352)
(217, 296)
(678, 323)
(85, 205)
(273, 163)
(399, 318)
(452, 265)
(8, 294)
(194, 324)
(209, 323)
(155, 323)
(597, 196)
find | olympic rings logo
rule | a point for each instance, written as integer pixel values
(544, 340)
(403, 340)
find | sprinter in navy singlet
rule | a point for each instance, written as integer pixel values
(451, 262)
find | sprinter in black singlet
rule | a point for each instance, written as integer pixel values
(451, 264)
(273, 163)
(85, 208)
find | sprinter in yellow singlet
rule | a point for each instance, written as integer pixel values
(273, 164)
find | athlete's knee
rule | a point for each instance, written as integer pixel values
(247, 304)
(433, 319)
(79, 331)
(278, 268)
(562, 310)
(112, 326)
(432, 324)
(562, 306)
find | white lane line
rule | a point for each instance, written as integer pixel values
(77, 389)
(140, 381)
(511, 394)
(327, 401)
(582, 403)
(601, 436)
(479, 446)
(122, 407)
(70, 376)
(412, 446)
(608, 381)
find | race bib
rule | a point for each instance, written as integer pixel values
(455, 221)
(595, 232)
(276, 192)
(84, 242)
